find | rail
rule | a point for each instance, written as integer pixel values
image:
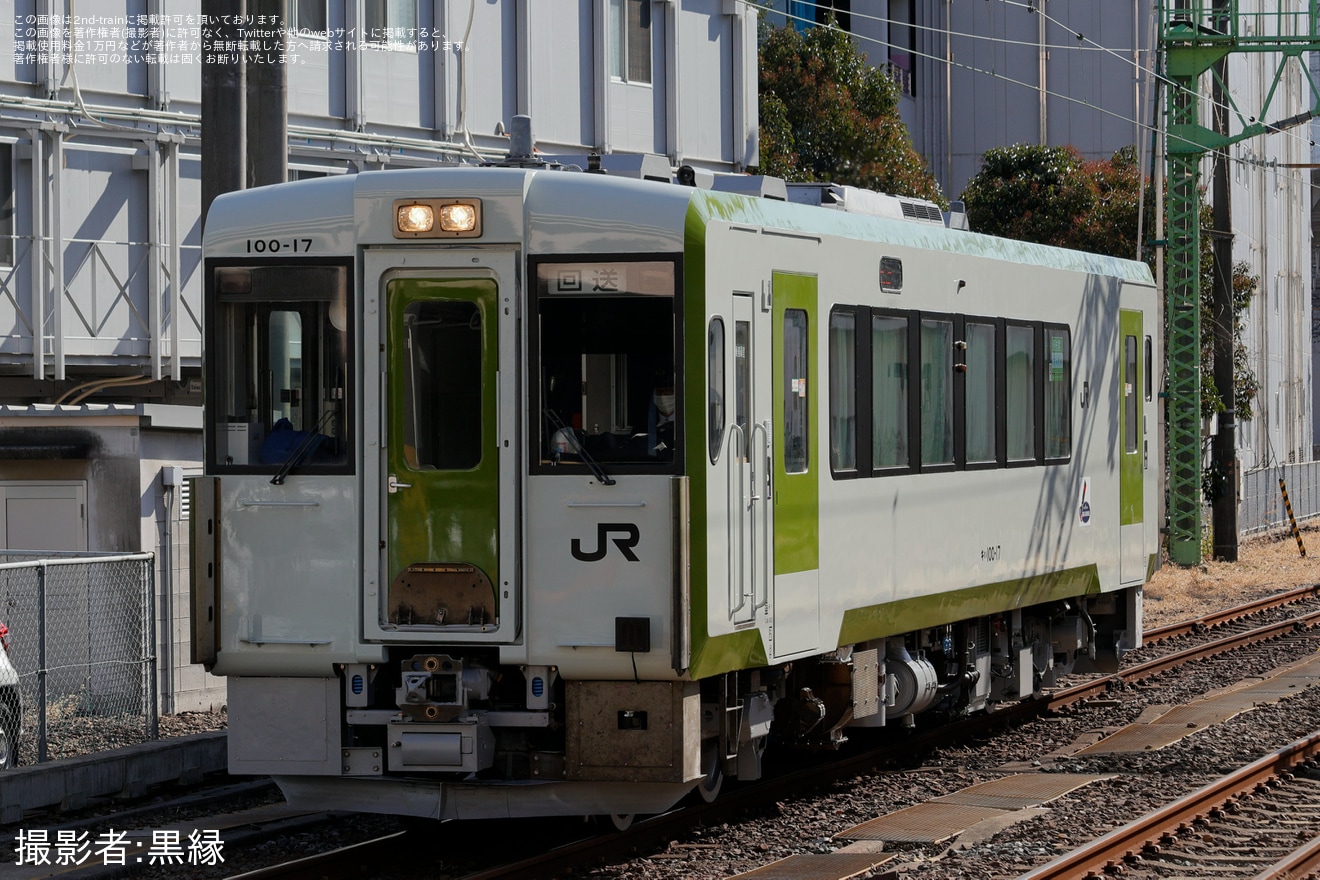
(1108, 851)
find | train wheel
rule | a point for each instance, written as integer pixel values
(621, 821)
(713, 780)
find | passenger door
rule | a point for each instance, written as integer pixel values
(796, 507)
(445, 568)
(1133, 558)
(746, 464)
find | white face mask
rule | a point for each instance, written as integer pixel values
(664, 404)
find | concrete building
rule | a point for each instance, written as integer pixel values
(100, 227)
(976, 75)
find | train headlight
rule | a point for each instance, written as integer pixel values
(437, 218)
(415, 219)
(458, 218)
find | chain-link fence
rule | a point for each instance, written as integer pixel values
(1262, 506)
(81, 637)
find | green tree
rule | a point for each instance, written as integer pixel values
(1052, 195)
(827, 115)
(1029, 193)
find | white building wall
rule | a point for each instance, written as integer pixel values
(1272, 234)
(103, 150)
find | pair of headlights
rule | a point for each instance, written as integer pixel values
(437, 218)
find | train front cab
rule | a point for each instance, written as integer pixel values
(412, 457)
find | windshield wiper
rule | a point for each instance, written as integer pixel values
(558, 424)
(304, 446)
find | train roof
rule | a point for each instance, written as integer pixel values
(574, 212)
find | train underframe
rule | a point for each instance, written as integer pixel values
(461, 736)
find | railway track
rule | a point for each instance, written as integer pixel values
(1249, 823)
(571, 846)
(678, 838)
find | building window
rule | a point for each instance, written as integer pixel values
(308, 17)
(391, 22)
(838, 11)
(6, 204)
(902, 45)
(630, 40)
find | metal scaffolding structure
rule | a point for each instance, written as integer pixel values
(1194, 35)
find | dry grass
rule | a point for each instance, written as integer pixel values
(1266, 565)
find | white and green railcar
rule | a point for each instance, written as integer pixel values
(534, 491)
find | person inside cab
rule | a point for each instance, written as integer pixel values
(660, 423)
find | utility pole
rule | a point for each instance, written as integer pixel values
(267, 94)
(224, 131)
(1224, 522)
(1195, 35)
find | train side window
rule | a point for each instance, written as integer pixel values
(936, 391)
(796, 412)
(1129, 392)
(1058, 393)
(742, 379)
(715, 394)
(442, 382)
(1020, 388)
(843, 391)
(1150, 371)
(889, 392)
(981, 385)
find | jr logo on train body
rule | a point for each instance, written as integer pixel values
(603, 531)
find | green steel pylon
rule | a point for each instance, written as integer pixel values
(1194, 34)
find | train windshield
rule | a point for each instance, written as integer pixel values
(279, 369)
(607, 387)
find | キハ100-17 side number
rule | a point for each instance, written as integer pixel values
(275, 245)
